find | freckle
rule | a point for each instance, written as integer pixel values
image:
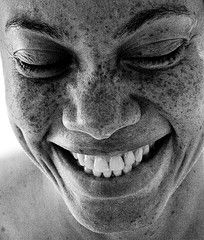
(139, 4)
(36, 10)
(64, 5)
(3, 213)
(173, 212)
(3, 229)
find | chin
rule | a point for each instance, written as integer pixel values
(114, 217)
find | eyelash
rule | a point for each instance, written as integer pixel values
(32, 67)
(44, 71)
(58, 68)
(157, 62)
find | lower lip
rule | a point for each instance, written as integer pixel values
(140, 180)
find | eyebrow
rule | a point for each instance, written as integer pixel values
(26, 22)
(146, 15)
(36, 25)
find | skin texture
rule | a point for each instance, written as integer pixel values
(135, 106)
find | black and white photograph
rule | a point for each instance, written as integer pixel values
(102, 120)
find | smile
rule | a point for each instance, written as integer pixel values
(105, 166)
(115, 166)
(118, 173)
(111, 166)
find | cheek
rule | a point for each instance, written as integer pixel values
(178, 93)
(31, 106)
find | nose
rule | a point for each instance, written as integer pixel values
(98, 105)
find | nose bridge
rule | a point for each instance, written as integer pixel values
(100, 61)
(101, 106)
(102, 110)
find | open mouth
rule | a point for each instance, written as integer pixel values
(112, 166)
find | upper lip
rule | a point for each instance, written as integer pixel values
(106, 149)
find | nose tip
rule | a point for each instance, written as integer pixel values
(101, 121)
(97, 132)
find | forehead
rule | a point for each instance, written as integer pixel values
(90, 15)
(90, 25)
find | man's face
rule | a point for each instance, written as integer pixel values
(103, 79)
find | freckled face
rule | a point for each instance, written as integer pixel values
(99, 85)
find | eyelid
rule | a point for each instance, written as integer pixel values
(39, 56)
(168, 27)
(25, 39)
(160, 48)
(155, 63)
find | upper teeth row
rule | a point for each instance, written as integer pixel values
(115, 164)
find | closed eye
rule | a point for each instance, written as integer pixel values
(43, 70)
(162, 61)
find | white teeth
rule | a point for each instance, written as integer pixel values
(100, 164)
(127, 168)
(145, 149)
(81, 159)
(75, 155)
(116, 163)
(129, 158)
(117, 173)
(96, 173)
(107, 174)
(87, 170)
(89, 161)
(138, 155)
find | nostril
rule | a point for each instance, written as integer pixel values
(99, 130)
(101, 120)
